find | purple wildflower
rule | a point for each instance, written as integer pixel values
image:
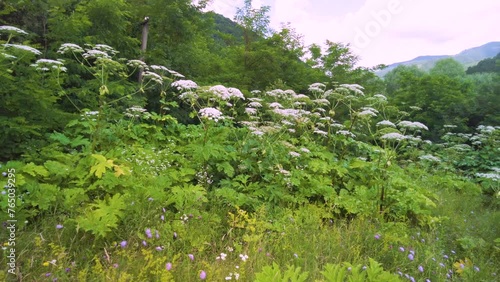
(203, 275)
(401, 249)
(123, 244)
(377, 236)
(148, 233)
(48, 274)
(144, 243)
(191, 257)
(159, 248)
(59, 226)
(420, 268)
(411, 257)
(168, 266)
(157, 234)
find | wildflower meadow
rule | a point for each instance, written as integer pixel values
(159, 178)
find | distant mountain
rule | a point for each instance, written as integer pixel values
(469, 57)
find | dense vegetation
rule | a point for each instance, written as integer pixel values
(115, 176)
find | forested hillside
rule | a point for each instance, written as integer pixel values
(467, 58)
(230, 151)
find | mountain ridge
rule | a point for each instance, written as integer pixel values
(467, 57)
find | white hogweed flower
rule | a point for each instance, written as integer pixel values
(23, 48)
(211, 114)
(153, 76)
(184, 85)
(251, 111)
(317, 87)
(158, 67)
(346, 133)
(70, 47)
(47, 64)
(255, 105)
(137, 64)
(412, 125)
(235, 92)
(11, 29)
(386, 123)
(393, 136)
(275, 105)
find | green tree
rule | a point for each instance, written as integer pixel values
(255, 22)
(486, 65)
(434, 99)
(448, 67)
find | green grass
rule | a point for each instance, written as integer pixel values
(303, 237)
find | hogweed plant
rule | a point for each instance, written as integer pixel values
(126, 191)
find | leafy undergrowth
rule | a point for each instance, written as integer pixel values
(297, 245)
(261, 186)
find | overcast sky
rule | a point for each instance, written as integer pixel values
(385, 31)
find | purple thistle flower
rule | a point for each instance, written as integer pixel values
(441, 264)
(68, 269)
(159, 248)
(191, 257)
(377, 236)
(401, 249)
(59, 226)
(123, 244)
(420, 268)
(162, 217)
(48, 274)
(148, 233)
(410, 257)
(157, 234)
(115, 265)
(168, 266)
(203, 275)
(144, 243)
(445, 257)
